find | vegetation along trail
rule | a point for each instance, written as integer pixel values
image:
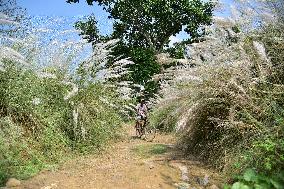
(210, 72)
(131, 163)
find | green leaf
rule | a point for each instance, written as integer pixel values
(250, 175)
(226, 186)
(261, 186)
(277, 184)
(239, 185)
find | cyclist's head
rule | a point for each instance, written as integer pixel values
(142, 101)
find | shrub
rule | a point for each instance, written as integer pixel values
(164, 118)
(98, 122)
(231, 104)
(37, 126)
(49, 108)
(253, 180)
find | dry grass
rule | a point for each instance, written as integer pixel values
(230, 111)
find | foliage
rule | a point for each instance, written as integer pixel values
(88, 29)
(149, 150)
(11, 14)
(177, 51)
(165, 117)
(230, 111)
(47, 116)
(253, 180)
(144, 68)
(37, 125)
(151, 23)
(151, 88)
(142, 71)
(274, 49)
(98, 122)
(32, 115)
(144, 28)
(11, 9)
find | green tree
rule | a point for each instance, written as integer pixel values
(88, 29)
(146, 65)
(144, 68)
(150, 23)
(145, 27)
(177, 50)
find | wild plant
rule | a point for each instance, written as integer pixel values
(230, 95)
(55, 99)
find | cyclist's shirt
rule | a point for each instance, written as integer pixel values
(141, 110)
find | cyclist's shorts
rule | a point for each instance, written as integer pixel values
(139, 117)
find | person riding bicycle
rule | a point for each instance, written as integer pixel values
(141, 110)
(142, 125)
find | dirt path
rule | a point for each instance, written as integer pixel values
(130, 164)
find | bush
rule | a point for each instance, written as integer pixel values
(164, 118)
(231, 104)
(253, 180)
(98, 122)
(37, 126)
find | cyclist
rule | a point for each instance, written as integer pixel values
(141, 110)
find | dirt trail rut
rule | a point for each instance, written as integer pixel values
(130, 164)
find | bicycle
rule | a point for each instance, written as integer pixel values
(143, 128)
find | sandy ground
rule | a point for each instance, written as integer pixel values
(120, 167)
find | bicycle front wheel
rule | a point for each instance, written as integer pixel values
(150, 134)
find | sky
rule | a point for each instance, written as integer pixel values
(59, 8)
(60, 17)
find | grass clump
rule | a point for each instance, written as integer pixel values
(39, 128)
(149, 150)
(164, 118)
(231, 106)
(251, 179)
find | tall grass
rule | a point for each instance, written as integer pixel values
(51, 105)
(230, 97)
(38, 126)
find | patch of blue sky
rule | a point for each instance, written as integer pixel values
(59, 16)
(61, 9)
(223, 11)
(53, 25)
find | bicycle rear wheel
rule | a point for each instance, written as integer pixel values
(139, 129)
